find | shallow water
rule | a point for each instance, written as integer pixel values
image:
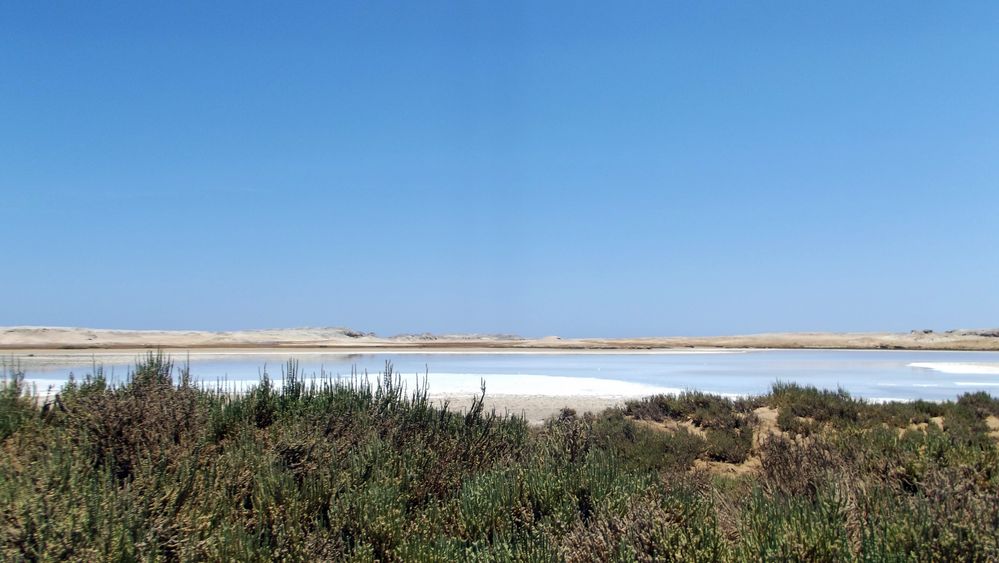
(875, 375)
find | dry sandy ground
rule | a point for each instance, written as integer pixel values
(26, 339)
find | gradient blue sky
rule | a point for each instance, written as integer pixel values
(637, 168)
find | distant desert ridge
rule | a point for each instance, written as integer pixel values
(67, 338)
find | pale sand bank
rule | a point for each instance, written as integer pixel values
(349, 341)
(57, 357)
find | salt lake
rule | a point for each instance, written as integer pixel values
(874, 375)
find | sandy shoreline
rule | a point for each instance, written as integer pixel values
(28, 340)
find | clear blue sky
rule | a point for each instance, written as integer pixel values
(539, 167)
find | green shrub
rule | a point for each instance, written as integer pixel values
(704, 410)
(836, 407)
(796, 529)
(17, 404)
(793, 424)
(902, 414)
(980, 402)
(729, 445)
(658, 525)
(644, 449)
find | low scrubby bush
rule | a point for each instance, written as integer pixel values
(823, 406)
(640, 447)
(702, 409)
(16, 401)
(729, 445)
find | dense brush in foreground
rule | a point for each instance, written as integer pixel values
(164, 471)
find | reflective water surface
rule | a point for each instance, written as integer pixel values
(876, 375)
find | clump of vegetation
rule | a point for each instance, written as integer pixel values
(726, 424)
(814, 405)
(639, 447)
(296, 469)
(702, 409)
(729, 445)
(16, 404)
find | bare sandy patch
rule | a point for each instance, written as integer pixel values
(766, 425)
(992, 422)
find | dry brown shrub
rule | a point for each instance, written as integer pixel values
(144, 420)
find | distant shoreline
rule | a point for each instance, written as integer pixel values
(53, 339)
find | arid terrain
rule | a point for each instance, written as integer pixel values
(54, 338)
